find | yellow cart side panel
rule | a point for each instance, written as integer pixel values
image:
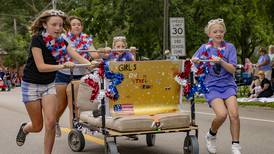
(148, 87)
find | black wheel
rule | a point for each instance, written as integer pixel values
(112, 148)
(150, 139)
(191, 145)
(76, 140)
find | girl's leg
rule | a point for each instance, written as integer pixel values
(34, 110)
(49, 107)
(220, 110)
(233, 113)
(69, 98)
(61, 99)
(61, 105)
(35, 113)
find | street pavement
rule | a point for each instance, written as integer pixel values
(257, 132)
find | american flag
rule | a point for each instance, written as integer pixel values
(123, 108)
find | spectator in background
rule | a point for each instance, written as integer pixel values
(8, 80)
(265, 85)
(271, 55)
(264, 63)
(2, 73)
(248, 66)
(257, 88)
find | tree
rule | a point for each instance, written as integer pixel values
(16, 47)
(250, 23)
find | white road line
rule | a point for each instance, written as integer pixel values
(246, 118)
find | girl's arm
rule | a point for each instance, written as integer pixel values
(265, 62)
(228, 67)
(251, 86)
(72, 52)
(41, 65)
(94, 55)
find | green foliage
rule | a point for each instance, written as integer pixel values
(250, 23)
(16, 46)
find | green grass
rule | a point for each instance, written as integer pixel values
(260, 104)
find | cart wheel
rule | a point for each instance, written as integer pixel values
(76, 140)
(112, 148)
(191, 145)
(150, 139)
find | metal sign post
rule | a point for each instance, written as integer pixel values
(177, 36)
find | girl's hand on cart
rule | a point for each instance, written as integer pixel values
(68, 65)
(95, 63)
(104, 52)
(195, 60)
(107, 49)
(216, 60)
(133, 49)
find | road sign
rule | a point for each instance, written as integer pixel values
(177, 36)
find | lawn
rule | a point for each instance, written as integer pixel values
(270, 104)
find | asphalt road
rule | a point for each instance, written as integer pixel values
(257, 132)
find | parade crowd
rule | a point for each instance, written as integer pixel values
(259, 76)
(8, 79)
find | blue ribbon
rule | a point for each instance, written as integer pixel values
(115, 79)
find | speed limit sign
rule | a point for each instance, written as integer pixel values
(177, 36)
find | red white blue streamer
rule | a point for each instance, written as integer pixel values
(114, 79)
(184, 77)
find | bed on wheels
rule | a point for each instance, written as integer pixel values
(149, 103)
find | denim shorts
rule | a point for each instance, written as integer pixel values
(33, 92)
(62, 78)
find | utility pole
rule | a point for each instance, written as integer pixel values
(14, 26)
(54, 2)
(15, 33)
(165, 34)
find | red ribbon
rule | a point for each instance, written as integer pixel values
(95, 88)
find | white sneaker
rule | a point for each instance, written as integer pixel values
(210, 143)
(236, 148)
(58, 132)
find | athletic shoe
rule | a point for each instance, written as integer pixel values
(236, 148)
(210, 143)
(21, 136)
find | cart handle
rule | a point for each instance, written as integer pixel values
(100, 51)
(85, 65)
(205, 60)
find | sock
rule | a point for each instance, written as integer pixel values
(238, 142)
(212, 133)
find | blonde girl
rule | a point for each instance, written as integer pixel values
(120, 43)
(220, 83)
